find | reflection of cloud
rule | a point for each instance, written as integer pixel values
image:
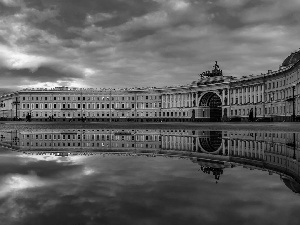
(88, 171)
(45, 157)
(138, 189)
(12, 3)
(17, 182)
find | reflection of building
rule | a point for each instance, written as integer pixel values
(214, 151)
(274, 152)
(213, 97)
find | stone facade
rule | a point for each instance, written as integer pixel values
(272, 96)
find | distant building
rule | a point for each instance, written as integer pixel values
(213, 97)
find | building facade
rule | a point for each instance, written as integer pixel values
(213, 97)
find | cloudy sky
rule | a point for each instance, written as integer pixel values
(45, 189)
(129, 43)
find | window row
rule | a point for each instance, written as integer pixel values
(79, 144)
(90, 105)
(88, 98)
(95, 137)
(106, 114)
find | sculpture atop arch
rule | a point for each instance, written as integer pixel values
(215, 72)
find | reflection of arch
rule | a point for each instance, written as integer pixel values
(212, 101)
(211, 143)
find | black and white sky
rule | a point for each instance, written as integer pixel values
(138, 43)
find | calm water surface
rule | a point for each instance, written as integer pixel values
(90, 176)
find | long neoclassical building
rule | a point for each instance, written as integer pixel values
(213, 97)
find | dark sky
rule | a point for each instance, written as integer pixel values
(128, 43)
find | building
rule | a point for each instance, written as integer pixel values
(213, 97)
(213, 151)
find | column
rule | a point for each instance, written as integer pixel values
(255, 94)
(243, 95)
(223, 147)
(251, 148)
(234, 147)
(246, 94)
(247, 146)
(228, 144)
(243, 145)
(168, 101)
(250, 94)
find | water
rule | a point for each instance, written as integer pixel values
(134, 176)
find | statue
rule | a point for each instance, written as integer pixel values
(215, 72)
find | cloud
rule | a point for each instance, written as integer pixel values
(17, 60)
(12, 3)
(98, 17)
(138, 42)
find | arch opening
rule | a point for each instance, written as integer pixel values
(211, 106)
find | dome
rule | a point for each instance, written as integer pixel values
(291, 59)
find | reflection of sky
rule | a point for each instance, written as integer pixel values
(137, 190)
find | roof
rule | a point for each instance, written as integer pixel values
(292, 58)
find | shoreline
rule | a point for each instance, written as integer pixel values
(267, 126)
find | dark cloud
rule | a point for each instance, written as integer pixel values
(75, 15)
(42, 74)
(104, 43)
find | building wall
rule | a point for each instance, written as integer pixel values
(268, 95)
